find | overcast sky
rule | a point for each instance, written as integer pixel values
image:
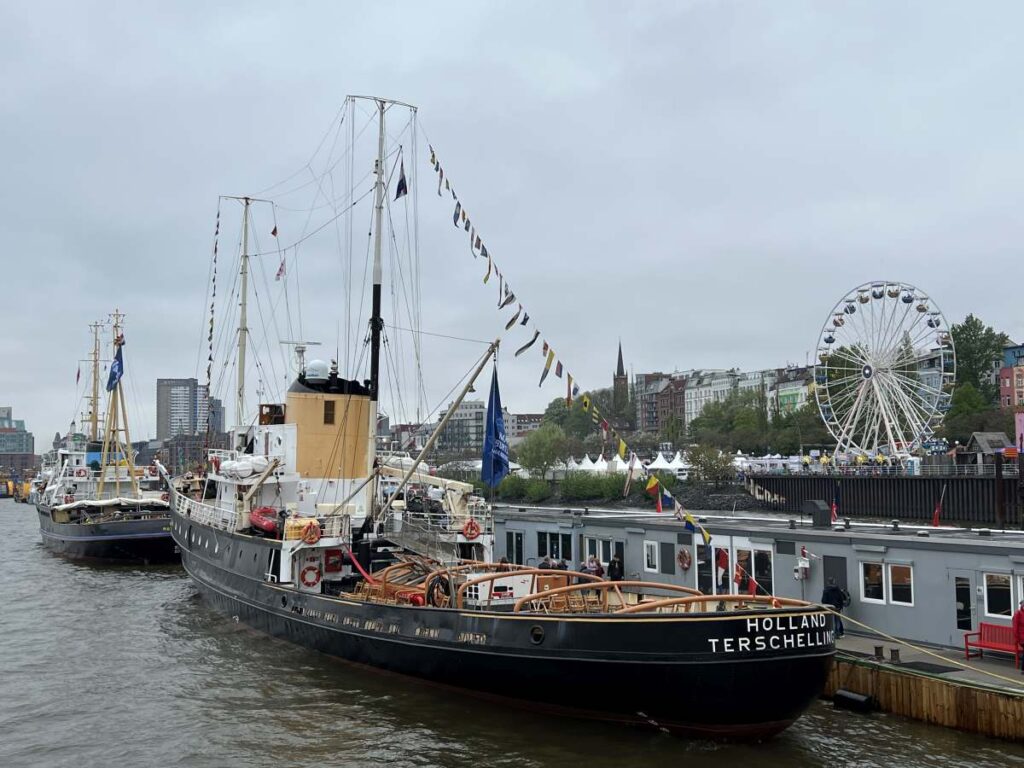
(702, 179)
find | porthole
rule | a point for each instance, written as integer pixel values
(536, 634)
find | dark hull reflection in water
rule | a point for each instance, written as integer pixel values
(127, 666)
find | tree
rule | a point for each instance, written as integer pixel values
(542, 449)
(709, 466)
(574, 421)
(977, 347)
(969, 412)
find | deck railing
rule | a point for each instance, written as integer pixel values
(204, 514)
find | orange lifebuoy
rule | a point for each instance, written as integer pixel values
(311, 534)
(152, 470)
(684, 559)
(80, 472)
(310, 576)
(165, 497)
(471, 529)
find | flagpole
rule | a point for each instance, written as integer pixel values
(94, 402)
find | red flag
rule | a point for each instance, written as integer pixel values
(835, 511)
(737, 574)
(752, 588)
(273, 232)
(657, 503)
(938, 508)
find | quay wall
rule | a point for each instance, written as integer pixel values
(970, 500)
(953, 704)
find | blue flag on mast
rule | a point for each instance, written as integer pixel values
(116, 370)
(495, 456)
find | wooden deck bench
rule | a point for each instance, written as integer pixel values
(991, 637)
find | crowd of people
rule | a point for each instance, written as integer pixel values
(591, 566)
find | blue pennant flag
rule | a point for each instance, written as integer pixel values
(116, 370)
(495, 456)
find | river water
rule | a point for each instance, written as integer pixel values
(125, 666)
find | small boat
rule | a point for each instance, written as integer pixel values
(96, 504)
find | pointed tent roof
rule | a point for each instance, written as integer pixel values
(677, 462)
(586, 465)
(659, 463)
(601, 465)
(571, 465)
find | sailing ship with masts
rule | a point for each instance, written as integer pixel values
(291, 533)
(93, 502)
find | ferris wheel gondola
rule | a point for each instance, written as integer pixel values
(885, 371)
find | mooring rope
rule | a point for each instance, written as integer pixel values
(1017, 684)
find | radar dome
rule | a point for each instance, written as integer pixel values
(317, 371)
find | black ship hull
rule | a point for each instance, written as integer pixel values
(146, 540)
(742, 674)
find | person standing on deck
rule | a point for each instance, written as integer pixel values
(833, 597)
(1018, 632)
(615, 568)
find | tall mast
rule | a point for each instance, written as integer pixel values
(94, 401)
(242, 318)
(376, 321)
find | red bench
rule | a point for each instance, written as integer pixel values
(992, 637)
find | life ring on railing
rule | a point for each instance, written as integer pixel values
(684, 559)
(151, 470)
(776, 603)
(311, 534)
(69, 499)
(471, 529)
(165, 497)
(310, 576)
(80, 472)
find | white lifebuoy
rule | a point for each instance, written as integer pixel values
(80, 472)
(310, 576)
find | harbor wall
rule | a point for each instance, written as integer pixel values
(929, 699)
(970, 500)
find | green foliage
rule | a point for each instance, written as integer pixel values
(590, 486)
(511, 488)
(970, 412)
(977, 346)
(537, 491)
(738, 421)
(709, 466)
(542, 449)
(573, 421)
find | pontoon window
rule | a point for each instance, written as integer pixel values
(556, 545)
(997, 594)
(901, 584)
(763, 572)
(651, 556)
(872, 583)
(603, 549)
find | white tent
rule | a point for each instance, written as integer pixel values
(617, 465)
(658, 463)
(571, 465)
(678, 462)
(586, 465)
(601, 465)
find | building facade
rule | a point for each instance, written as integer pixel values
(1011, 385)
(792, 390)
(464, 433)
(183, 408)
(17, 444)
(646, 387)
(519, 425)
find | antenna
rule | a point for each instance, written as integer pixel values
(300, 352)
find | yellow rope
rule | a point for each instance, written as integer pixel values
(1017, 684)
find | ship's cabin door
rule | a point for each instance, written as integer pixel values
(961, 614)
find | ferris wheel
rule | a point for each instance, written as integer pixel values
(885, 369)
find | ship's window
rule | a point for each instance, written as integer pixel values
(328, 411)
(997, 594)
(872, 583)
(603, 549)
(901, 584)
(651, 556)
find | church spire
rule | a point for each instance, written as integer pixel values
(621, 370)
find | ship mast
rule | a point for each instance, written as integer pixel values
(117, 412)
(243, 318)
(376, 321)
(94, 401)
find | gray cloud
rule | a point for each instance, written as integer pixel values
(702, 179)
